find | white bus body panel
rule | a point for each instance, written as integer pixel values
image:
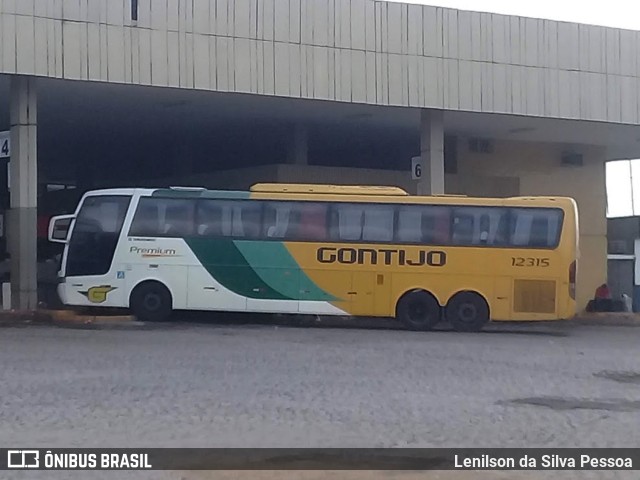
(171, 262)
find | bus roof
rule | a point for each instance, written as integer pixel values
(327, 189)
(337, 193)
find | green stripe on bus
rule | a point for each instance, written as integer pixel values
(224, 262)
(278, 269)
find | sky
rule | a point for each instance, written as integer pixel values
(609, 13)
(623, 177)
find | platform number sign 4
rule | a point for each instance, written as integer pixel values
(416, 168)
(5, 145)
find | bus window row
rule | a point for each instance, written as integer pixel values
(348, 222)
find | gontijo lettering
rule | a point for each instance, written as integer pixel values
(386, 256)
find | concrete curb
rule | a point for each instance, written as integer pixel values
(98, 322)
(620, 319)
(18, 318)
(64, 318)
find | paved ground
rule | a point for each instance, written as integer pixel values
(214, 385)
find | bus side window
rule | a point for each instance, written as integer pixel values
(209, 218)
(248, 214)
(378, 223)
(277, 218)
(435, 225)
(347, 222)
(443, 228)
(484, 237)
(502, 229)
(549, 228)
(537, 228)
(521, 228)
(312, 222)
(429, 233)
(539, 232)
(463, 225)
(554, 228)
(178, 218)
(409, 228)
(146, 221)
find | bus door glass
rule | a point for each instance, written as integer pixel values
(95, 235)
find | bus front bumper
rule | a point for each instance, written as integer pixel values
(62, 291)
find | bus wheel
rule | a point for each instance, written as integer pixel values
(151, 302)
(467, 312)
(418, 310)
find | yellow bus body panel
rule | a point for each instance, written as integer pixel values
(519, 284)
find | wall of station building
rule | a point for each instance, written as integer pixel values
(510, 169)
(364, 51)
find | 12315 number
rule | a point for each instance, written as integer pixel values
(529, 262)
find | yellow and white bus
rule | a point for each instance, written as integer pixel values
(323, 250)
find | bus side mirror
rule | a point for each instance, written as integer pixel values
(59, 228)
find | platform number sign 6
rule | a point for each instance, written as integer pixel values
(5, 145)
(416, 168)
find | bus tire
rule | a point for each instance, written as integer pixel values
(151, 302)
(418, 310)
(467, 312)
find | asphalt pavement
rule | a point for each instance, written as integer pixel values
(220, 384)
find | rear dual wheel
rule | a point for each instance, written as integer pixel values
(419, 310)
(466, 311)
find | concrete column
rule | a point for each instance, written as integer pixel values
(24, 193)
(431, 152)
(298, 147)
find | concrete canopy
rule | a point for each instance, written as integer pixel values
(93, 124)
(528, 74)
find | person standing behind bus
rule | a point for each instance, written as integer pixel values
(602, 299)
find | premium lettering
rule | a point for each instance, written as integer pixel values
(153, 252)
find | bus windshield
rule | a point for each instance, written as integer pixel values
(95, 235)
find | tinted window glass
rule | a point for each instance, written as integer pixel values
(163, 217)
(378, 223)
(280, 219)
(310, 222)
(366, 223)
(95, 235)
(228, 218)
(480, 226)
(463, 228)
(409, 227)
(347, 222)
(535, 227)
(423, 224)
(212, 220)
